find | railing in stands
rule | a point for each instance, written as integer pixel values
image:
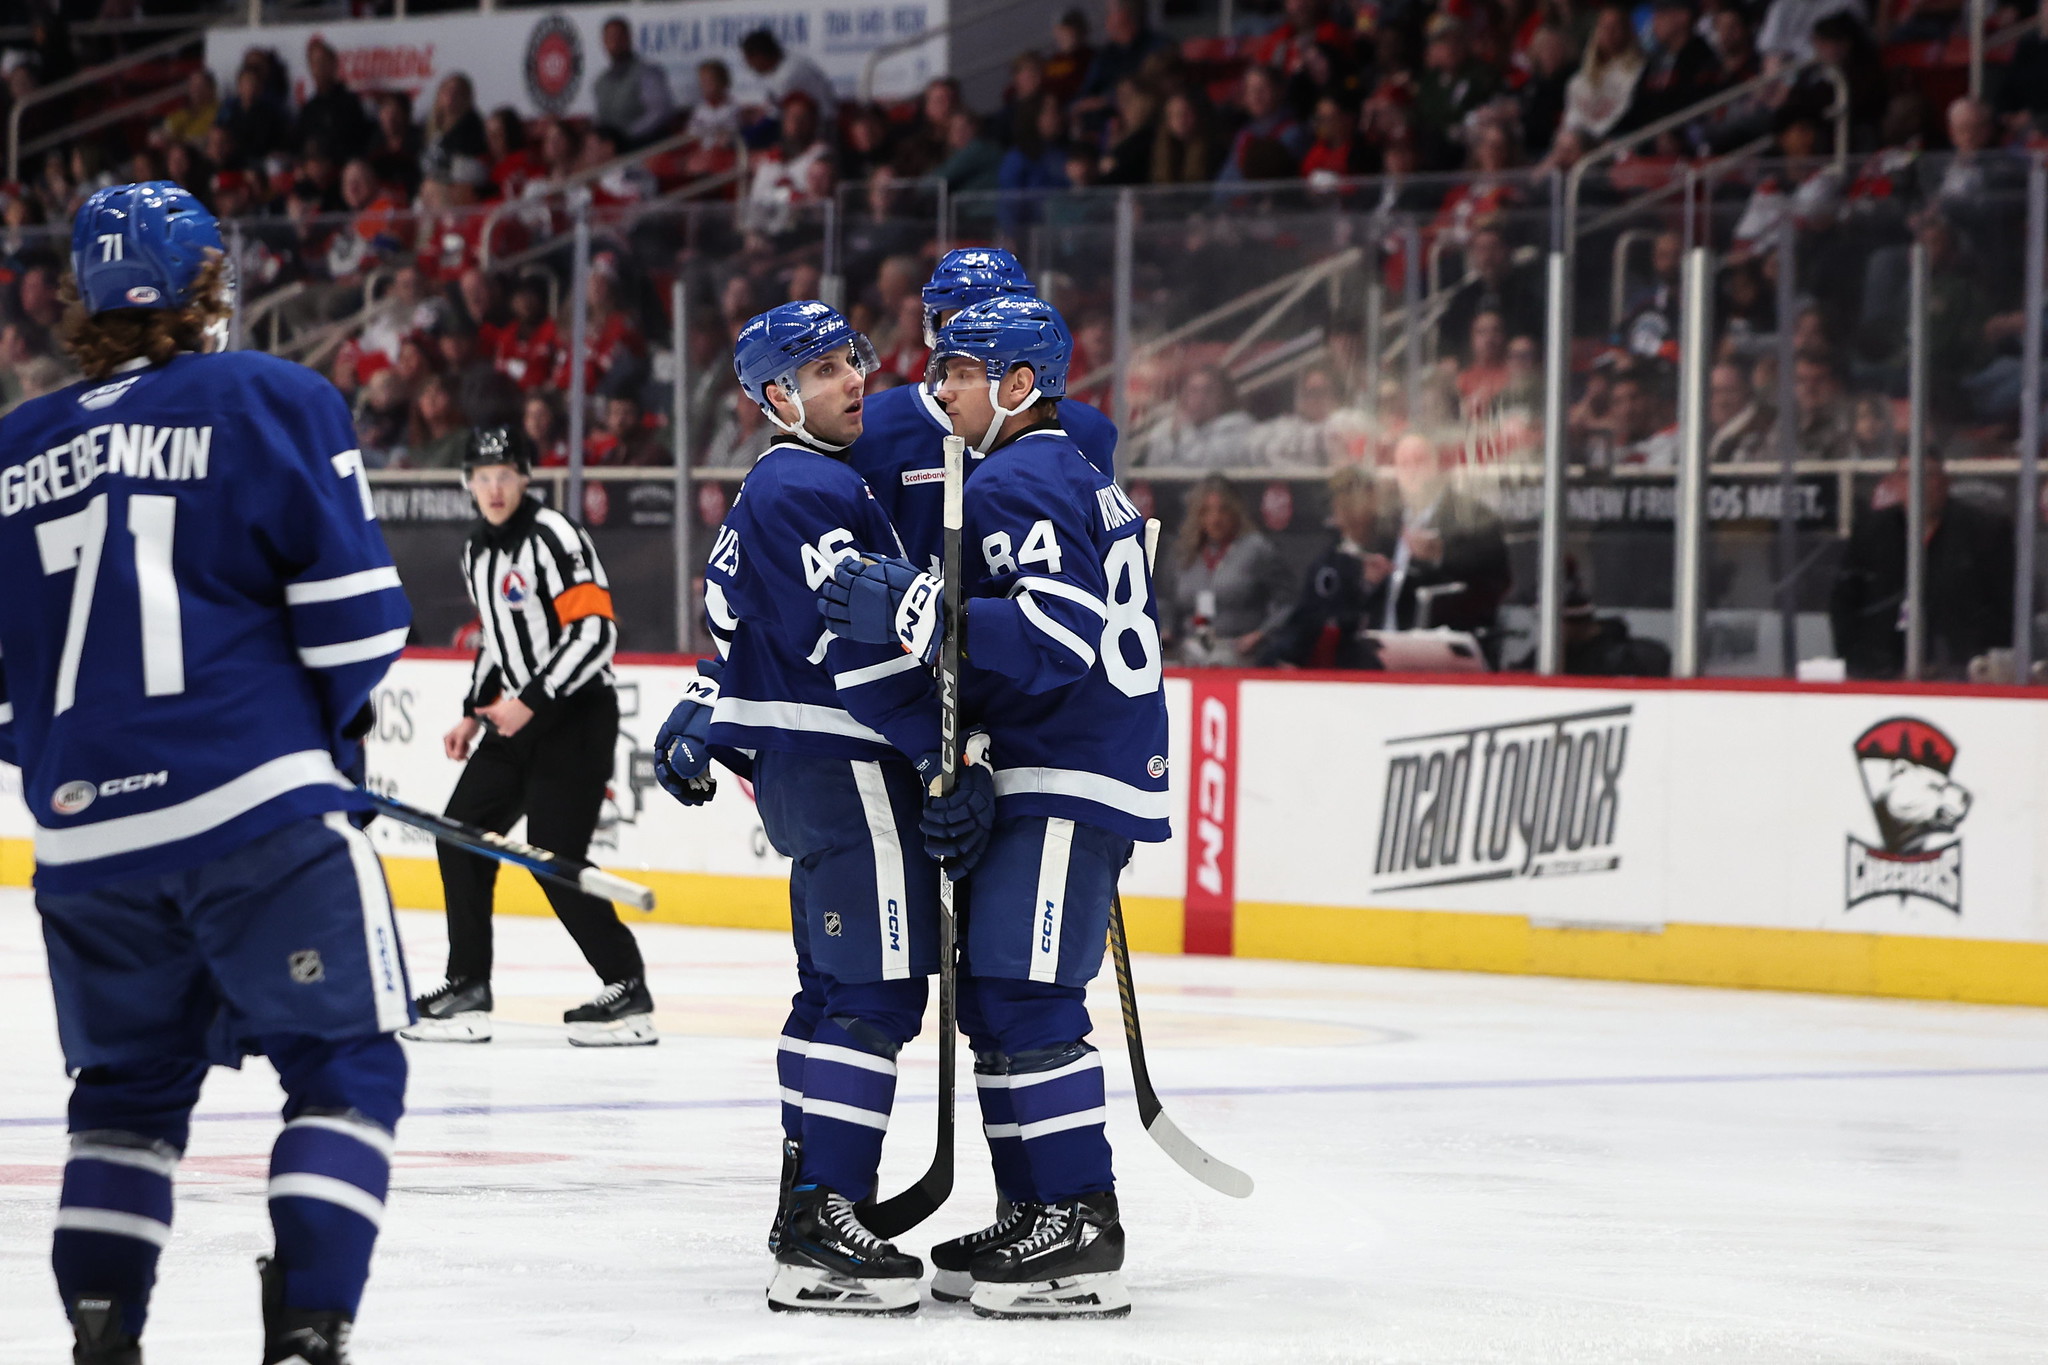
(582, 180)
(89, 77)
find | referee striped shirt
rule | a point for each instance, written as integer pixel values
(545, 606)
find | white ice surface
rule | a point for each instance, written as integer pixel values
(1451, 1168)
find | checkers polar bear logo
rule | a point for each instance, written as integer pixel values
(1905, 763)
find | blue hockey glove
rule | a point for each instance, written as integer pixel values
(682, 747)
(956, 826)
(883, 601)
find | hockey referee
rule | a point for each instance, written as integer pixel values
(542, 685)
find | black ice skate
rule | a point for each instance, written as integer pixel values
(454, 1012)
(620, 1015)
(830, 1263)
(100, 1337)
(1069, 1266)
(298, 1336)
(792, 1158)
(952, 1282)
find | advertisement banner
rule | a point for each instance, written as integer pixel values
(544, 62)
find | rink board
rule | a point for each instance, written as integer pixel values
(1715, 834)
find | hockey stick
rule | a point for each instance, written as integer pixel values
(570, 872)
(897, 1215)
(1217, 1175)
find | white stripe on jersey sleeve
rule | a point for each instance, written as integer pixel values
(800, 717)
(1053, 587)
(193, 816)
(354, 651)
(335, 589)
(855, 677)
(1053, 630)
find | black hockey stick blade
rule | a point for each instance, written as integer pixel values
(570, 872)
(1220, 1176)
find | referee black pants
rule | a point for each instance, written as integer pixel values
(554, 772)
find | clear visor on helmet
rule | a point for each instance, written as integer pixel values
(822, 377)
(935, 371)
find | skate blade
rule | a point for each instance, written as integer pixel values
(635, 1030)
(952, 1286)
(460, 1028)
(1100, 1295)
(807, 1289)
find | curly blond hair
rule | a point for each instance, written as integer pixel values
(102, 342)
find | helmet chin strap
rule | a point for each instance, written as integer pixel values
(1003, 414)
(797, 428)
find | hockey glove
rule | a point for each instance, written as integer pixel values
(956, 826)
(682, 747)
(884, 601)
(354, 760)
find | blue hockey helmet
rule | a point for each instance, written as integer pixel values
(968, 275)
(140, 246)
(1003, 333)
(774, 345)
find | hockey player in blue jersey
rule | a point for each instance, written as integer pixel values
(199, 604)
(899, 450)
(842, 737)
(1062, 671)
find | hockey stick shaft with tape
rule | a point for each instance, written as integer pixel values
(897, 1215)
(569, 872)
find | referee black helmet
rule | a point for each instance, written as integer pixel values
(497, 445)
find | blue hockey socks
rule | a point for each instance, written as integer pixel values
(1057, 1097)
(848, 1091)
(113, 1219)
(999, 1122)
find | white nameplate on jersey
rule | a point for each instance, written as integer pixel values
(913, 477)
(135, 449)
(1117, 510)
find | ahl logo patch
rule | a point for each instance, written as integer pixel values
(106, 395)
(1156, 765)
(306, 967)
(832, 924)
(513, 587)
(142, 295)
(73, 797)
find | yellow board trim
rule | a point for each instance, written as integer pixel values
(1978, 970)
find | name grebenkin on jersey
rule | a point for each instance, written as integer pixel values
(136, 449)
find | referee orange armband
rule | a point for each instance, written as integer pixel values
(585, 599)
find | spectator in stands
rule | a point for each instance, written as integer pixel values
(973, 162)
(1266, 122)
(1494, 285)
(512, 161)
(617, 354)
(1444, 537)
(90, 175)
(1787, 33)
(1129, 41)
(2022, 101)
(1644, 423)
(631, 93)
(439, 430)
(1649, 324)
(37, 301)
(904, 353)
(1336, 151)
(1968, 583)
(483, 395)
(381, 418)
(1036, 161)
(401, 311)
(1873, 435)
(1316, 434)
(1742, 424)
(1343, 593)
(332, 117)
(1067, 67)
(624, 181)
(781, 174)
(864, 144)
(1679, 70)
(454, 128)
(1453, 84)
(1183, 151)
(1230, 585)
(1805, 186)
(15, 353)
(624, 439)
(543, 426)
(1601, 646)
(378, 227)
(1207, 427)
(1541, 99)
(1598, 96)
(395, 149)
(480, 304)
(1129, 136)
(785, 73)
(1484, 375)
(192, 120)
(259, 126)
(740, 435)
(1821, 414)
(184, 165)
(714, 123)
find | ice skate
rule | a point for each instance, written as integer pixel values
(830, 1263)
(453, 1012)
(1069, 1266)
(951, 1280)
(295, 1336)
(620, 1015)
(792, 1158)
(101, 1339)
